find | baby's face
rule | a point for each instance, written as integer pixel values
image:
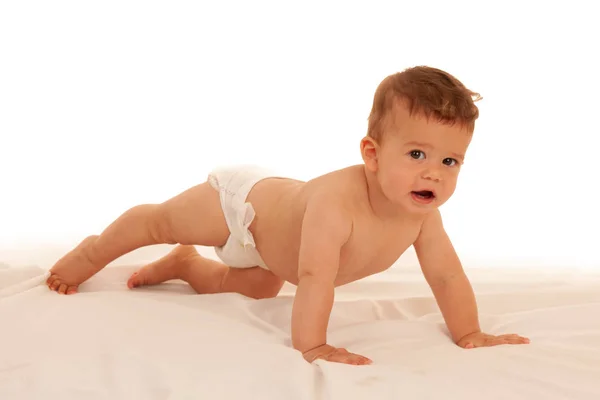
(419, 161)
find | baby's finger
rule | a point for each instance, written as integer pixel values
(364, 360)
(348, 358)
(518, 340)
(473, 344)
(337, 356)
(495, 341)
(508, 336)
(357, 359)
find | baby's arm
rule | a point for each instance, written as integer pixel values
(451, 287)
(325, 229)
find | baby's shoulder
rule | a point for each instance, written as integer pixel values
(343, 189)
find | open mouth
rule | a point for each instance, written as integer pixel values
(423, 196)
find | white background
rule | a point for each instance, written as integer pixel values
(105, 105)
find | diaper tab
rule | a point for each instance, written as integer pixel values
(245, 217)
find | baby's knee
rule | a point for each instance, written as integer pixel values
(271, 290)
(269, 287)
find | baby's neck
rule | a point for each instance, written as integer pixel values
(381, 207)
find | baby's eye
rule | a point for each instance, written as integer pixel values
(450, 161)
(416, 154)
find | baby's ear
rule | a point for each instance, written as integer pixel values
(369, 150)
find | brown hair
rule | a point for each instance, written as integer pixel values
(427, 91)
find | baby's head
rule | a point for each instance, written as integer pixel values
(420, 127)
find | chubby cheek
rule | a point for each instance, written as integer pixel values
(448, 188)
(395, 183)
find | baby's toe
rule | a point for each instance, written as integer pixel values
(72, 290)
(134, 280)
(62, 289)
(50, 280)
(55, 284)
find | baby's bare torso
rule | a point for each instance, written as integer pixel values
(373, 246)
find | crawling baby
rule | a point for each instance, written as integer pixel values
(323, 233)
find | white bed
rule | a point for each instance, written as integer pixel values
(165, 342)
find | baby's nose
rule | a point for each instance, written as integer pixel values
(432, 174)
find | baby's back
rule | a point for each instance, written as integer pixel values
(280, 204)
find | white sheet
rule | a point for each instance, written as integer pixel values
(166, 342)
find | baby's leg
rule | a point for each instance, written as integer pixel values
(192, 217)
(207, 276)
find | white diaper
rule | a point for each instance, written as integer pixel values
(233, 185)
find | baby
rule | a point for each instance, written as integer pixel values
(323, 233)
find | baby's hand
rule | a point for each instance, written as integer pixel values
(480, 339)
(334, 354)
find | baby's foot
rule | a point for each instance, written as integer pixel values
(73, 269)
(169, 267)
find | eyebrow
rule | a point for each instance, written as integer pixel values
(425, 145)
